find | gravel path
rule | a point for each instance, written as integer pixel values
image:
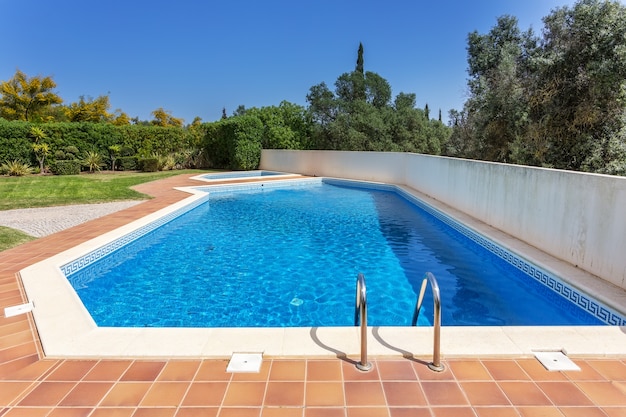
(40, 222)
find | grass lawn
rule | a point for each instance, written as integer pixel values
(11, 237)
(60, 190)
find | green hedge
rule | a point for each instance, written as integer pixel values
(16, 143)
(149, 164)
(234, 143)
(127, 163)
(66, 167)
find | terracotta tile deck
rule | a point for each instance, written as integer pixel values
(33, 385)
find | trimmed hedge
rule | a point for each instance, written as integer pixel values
(16, 143)
(234, 143)
(127, 163)
(66, 167)
(149, 164)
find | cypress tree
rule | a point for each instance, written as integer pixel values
(358, 76)
(359, 60)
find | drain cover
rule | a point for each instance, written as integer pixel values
(556, 361)
(17, 310)
(245, 362)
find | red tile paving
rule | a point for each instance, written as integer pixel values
(33, 385)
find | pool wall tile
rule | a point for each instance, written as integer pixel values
(583, 301)
(93, 256)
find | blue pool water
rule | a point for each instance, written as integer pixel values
(290, 257)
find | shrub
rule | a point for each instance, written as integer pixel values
(93, 161)
(127, 163)
(247, 155)
(149, 164)
(127, 151)
(16, 168)
(66, 167)
(71, 152)
(167, 163)
(15, 144)
(234, 143)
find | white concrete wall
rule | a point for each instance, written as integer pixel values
(576, 217)
(368, 166)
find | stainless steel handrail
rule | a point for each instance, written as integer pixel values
(360, 311)
(435, 365)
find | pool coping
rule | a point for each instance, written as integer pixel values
(279, 175)
(66, 329)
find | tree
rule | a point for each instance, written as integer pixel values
(579, 85)
(92, 111)
(287, 126)
(556, 101)
(322, 104)
(24, 98)
(240, 110)
(40, 148)
(358, 76)
(377, 90)
(359, 60)
(114, 152)
(120, 118)
(164, 118)
(497, 99)
(359, 115)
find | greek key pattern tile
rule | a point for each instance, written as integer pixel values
(595, 308)
(91, 257)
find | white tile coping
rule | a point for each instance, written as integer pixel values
(67, 330)
(245, 175)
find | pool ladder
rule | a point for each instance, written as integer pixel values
(360, 319)
(360, 312)
(435, 365)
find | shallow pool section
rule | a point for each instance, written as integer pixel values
(276, 256)
(233, 175)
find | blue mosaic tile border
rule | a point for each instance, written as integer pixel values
(580, 299)
(85, 260)
(80, 263)
(597, 309)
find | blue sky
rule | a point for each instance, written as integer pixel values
(195, 57)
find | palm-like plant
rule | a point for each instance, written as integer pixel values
(15, 168)
(40, 148)
(93, 161)
(114, 151)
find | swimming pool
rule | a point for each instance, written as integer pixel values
(240, 175)
(395, 251)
